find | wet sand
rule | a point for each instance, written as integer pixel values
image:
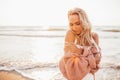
(12, 75)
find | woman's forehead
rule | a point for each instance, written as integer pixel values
(74, 18)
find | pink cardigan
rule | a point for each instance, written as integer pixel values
(75, 66)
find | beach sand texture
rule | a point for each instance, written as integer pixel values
(12, 75)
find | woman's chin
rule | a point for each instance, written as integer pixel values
(77, 33)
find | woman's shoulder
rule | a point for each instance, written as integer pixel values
(70, 36)
(95, 35)
(70, 33)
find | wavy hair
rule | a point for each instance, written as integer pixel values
(85, 35)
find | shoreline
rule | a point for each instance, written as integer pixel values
(105, 73)
(12, 75)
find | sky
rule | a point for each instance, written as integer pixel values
(54, 12)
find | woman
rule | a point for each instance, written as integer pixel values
(81, 50)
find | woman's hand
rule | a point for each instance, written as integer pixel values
(73, 48)
(86, 51)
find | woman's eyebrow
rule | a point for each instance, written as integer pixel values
(77, 22)
(74, 22)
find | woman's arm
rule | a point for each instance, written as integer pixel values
(70, 37)
(69, 45)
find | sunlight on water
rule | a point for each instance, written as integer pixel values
(43, 50)
(48, 74)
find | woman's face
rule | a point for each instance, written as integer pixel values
(74, 23)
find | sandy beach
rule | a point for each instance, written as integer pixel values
(12, 75)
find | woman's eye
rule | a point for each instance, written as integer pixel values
(77, 23)
(71, 24)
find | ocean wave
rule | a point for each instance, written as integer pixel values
(33, 29)
(110, 37)
(27, 66)
(34, 66)
(113, 66)
(111, 30)
(28, 35)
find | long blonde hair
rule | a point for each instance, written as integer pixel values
(85, 23)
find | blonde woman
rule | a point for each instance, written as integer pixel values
(81, 50)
